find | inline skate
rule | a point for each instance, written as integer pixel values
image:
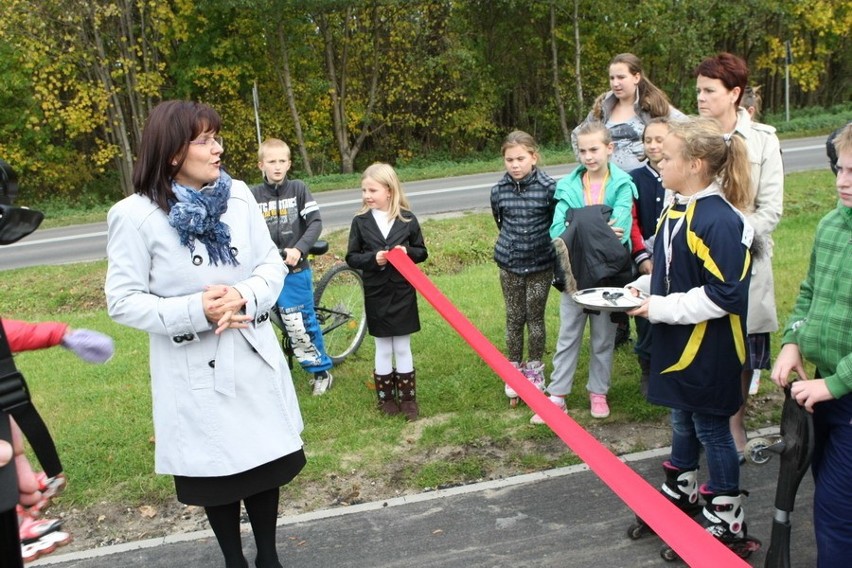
(724, 519)
(681, 488)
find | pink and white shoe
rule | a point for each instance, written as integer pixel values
(49, 487)
(534, 372)
(600, 409)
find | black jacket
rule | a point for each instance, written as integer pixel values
(390, 301)
(597, 256)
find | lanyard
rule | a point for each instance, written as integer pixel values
(668, 239)
(587, 188)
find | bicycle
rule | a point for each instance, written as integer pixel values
(339, 305)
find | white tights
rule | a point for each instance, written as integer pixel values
(390, 349)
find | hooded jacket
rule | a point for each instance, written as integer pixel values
(291, 214)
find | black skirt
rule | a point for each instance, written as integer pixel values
(214, 491)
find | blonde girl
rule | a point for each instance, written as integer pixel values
(595, 182)
(385, 222)
(697, 309)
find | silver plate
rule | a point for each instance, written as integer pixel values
(608, 299)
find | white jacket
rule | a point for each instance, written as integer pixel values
(767, 179)
(222, 404)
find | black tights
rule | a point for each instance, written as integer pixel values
(262, 510)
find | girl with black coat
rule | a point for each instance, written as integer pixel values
(386, 222)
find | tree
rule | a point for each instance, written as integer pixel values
(96, 68)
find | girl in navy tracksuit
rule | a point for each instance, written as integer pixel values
(697, 309)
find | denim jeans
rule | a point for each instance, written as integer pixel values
(693, 430)
(297, 310)
(831, 465)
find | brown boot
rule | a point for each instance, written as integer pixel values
(405, 386)
(386, 391)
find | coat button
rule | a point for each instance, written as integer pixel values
(235, 251)
(177, 339)
(197, 260)
(188, 337)
(211, 363)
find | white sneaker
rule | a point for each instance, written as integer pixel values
(536, 419)
(322, 384)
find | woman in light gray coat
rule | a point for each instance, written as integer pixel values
(192, 264)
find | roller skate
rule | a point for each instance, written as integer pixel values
(534, 373)
(724, 519)
(49, 487)
(44, 545)
(681, 488)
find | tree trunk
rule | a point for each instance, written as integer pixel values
(337, 91)
(557, 94)
(577, 60)
(117, 133)
(287, 84)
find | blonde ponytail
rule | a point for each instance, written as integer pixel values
(725, 157)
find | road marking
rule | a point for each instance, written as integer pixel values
(56, 239)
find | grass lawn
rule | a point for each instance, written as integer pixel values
(101, 415)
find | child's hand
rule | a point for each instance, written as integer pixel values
(293, 256)
(645, 267)
(382, 257)
(789, 361)
(402, 248)
(642, 309)
(5, 452)
(89, 345)
(619, 232)
(808, 393)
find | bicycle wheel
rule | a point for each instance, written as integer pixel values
(339, 304)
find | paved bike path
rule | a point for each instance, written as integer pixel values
(558, 518)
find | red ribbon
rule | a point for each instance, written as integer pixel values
(690, 541)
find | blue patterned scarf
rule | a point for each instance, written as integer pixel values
(195, 215)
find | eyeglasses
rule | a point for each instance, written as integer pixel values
(209, 141)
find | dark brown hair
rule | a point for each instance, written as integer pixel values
(165, 138)
(651, 99)
(727, 68)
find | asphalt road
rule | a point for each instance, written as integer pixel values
(560, 518)
(430, 197)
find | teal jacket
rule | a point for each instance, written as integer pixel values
(618, 194)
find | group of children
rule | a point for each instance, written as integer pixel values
(686, 222)
(384, 222)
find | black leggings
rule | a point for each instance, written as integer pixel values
(262, 510)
